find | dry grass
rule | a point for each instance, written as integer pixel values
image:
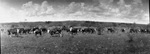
(79, 44)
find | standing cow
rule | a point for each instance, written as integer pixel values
(33, 29)
(13, 31)
(38, 31)
(64, 28)
(44, 30)
(55, 31)
(27, 31)
(145, 30)
(88, 30)
(74, 31)
(112, 30)
(21, 31)
(132, 30)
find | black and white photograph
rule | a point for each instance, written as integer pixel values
(74, 27)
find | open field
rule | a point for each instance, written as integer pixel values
(108, 43)
(77, 44)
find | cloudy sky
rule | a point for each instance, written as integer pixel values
(127, 11)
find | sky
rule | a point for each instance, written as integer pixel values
(126, 11)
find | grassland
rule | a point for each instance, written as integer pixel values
(108, 43)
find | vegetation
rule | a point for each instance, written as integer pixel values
(109, 43)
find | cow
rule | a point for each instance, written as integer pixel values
(38, 31)
(14, 31)
(44, 30)
(64, 28)
(54, 31)
(123, 30)
(144, 30)
(33, 29)
(21, 31)
(27, 30)
(148, 31)
(88, 30)
(74, 31)
(132, 30)
(110, 30)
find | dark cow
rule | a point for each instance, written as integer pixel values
(27, 30)
(64, 28)
(33, 29)
(133, 30)
(24, 30)
(21, 31)
(14, 31)
(88, 30)
(44, 30)
(144, 30)
(55, 31)
(38, 31)
(123, 30)
(74, 31)
(148, 31)
(110, 30)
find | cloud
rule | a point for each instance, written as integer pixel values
(124, 12)
(34, 9)
(103, 11)
(74, 7)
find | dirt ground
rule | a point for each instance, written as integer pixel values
(76, 44)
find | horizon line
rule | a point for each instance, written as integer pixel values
(75, 20)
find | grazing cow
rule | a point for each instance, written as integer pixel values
(21, 31)
(64, 28)
(74, 31)
(14, 31)
(144, 30)
(38, 31)
(55, 31)
(134, 30)
(123, 30)
(27, 31)
(88, 30)
(110, 30)
(44, 30)
(33, 29)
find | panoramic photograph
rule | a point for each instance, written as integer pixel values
(74, 27)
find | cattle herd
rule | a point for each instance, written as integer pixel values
(38, 31)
